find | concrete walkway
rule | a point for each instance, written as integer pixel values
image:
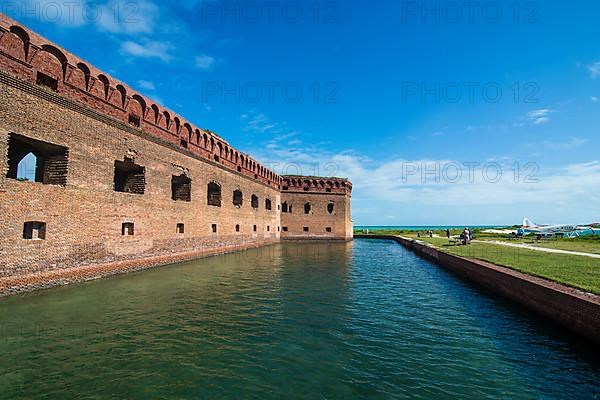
(531, 247)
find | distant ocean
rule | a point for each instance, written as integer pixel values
(427, 228)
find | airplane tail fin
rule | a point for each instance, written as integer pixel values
(527, 223)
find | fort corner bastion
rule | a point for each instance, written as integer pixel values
(121, 183)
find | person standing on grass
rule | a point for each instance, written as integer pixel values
(448, 233)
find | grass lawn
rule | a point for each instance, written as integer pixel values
(577, 271)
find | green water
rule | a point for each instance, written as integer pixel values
(308, 321)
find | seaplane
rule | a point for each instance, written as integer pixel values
(571, 231)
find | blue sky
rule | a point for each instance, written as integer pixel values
(380, 100)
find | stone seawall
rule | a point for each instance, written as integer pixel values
(573, 309)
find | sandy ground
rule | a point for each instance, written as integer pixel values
(531, 247)
(500, 231)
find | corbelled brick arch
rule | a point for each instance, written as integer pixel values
(120, 96)
(75, 78)
(16, 42)
(81, 76)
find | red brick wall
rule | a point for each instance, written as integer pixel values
(83, 217)
(23, 53)
(319, 193)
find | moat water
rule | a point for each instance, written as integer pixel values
(366, 319)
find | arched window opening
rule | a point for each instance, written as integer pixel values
(330, 208)
(238, 198)
(285, 207)
(254, 201)
(307, 208)
(214, 194)
(268, 205)
(181, 188)
(27, 168)
(36, 161)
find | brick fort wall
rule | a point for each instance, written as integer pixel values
(120, 183)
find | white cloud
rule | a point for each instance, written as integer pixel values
(572, 143)
(107, 15)
(595, 99)
(259, 123)
(146, 85)
(149, 49)
(594, 69)
(427, 190)
(204, 61)
(540, 116)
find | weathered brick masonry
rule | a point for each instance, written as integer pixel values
(122, 183)
(314, 207)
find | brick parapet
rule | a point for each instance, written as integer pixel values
(24, 53)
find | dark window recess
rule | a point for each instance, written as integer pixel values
(36, 161)
(307, 208)
(330, 208)
(127, 229)
(254, 228)
(306, 189)
(268, 204)
(254, 201)
(134, 120)
(278, 228)
(285, 208)
(184, 144)
(328, 229)
(181, 188)
(214, 228)
(214, 194)
(216, 157)
(306, 229)
(238, 198)
(129, 177)
(180, 228)
(239, 169)
(285, 228)
(47, 80)
(285, 188)
(34, 230)
(268, 228)
(328, 190)
(237, 228)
